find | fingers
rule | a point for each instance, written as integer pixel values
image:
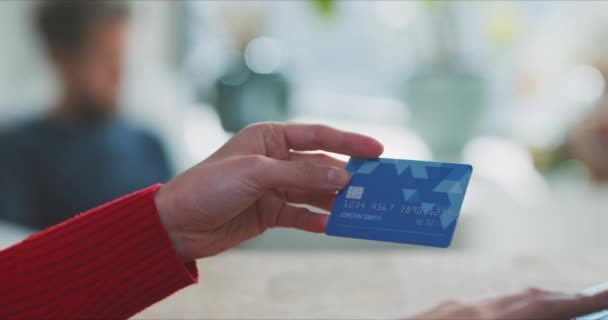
(319, 137)
(317, 158)
(541, 304)
(323, 201)
(505, 301)
(271, 173)
(302, 219)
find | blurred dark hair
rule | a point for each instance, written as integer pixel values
(65, 25)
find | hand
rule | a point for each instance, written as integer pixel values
(244, 188)
(530, 304)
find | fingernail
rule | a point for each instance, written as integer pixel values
(338, 177)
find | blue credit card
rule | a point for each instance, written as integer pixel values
(405, 201)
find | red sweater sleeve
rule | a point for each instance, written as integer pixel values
(110, 262)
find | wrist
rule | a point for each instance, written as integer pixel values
(165, 212)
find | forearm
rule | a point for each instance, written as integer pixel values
(110, 262)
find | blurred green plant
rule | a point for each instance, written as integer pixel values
(325, 8)
(433, 4)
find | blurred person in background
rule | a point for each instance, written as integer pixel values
(80, 154)
(588, 140)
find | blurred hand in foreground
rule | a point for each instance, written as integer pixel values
(530, 304)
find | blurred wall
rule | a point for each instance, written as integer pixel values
(25, 83)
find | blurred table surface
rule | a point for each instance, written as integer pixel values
(319, 283)
(247, 284)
